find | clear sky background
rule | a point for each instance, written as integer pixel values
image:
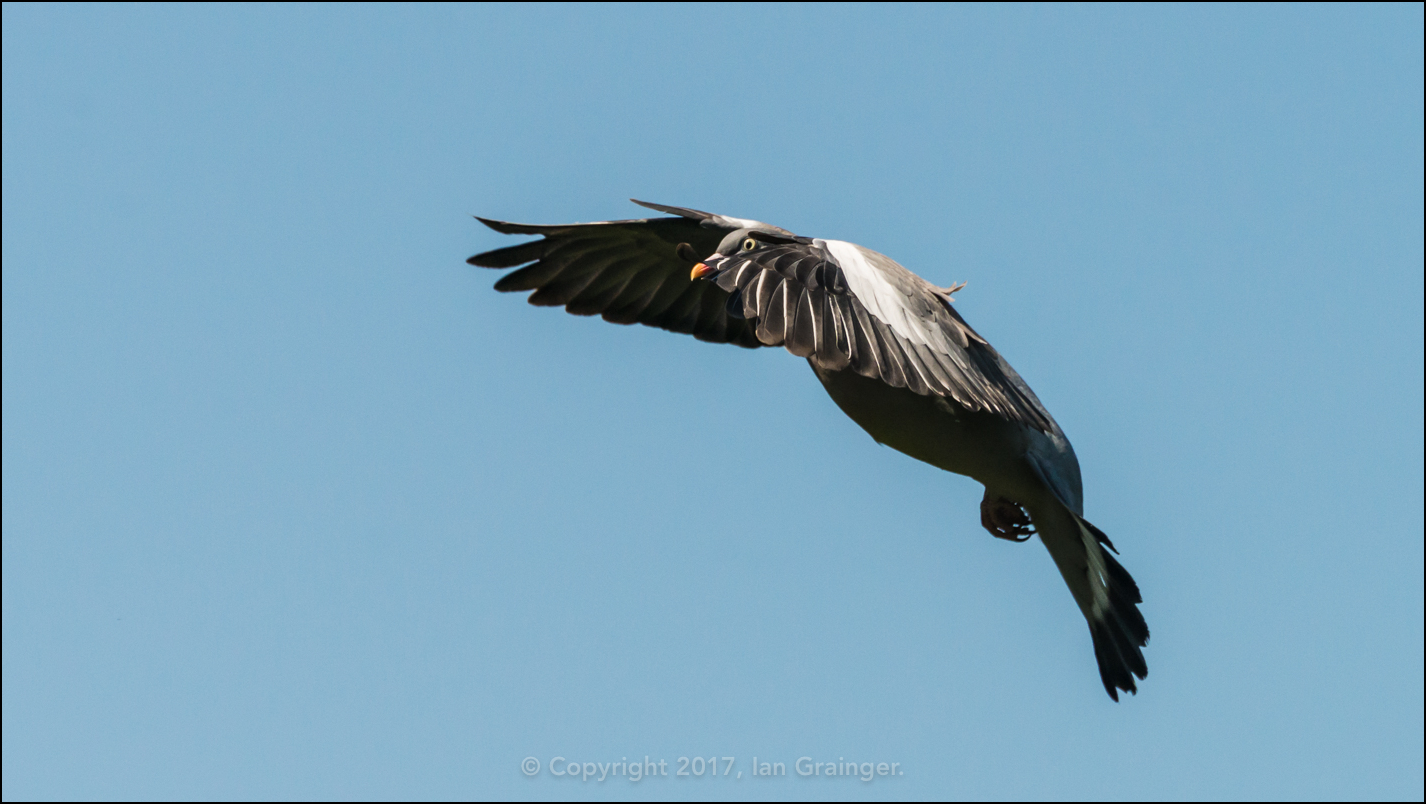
(296, 505)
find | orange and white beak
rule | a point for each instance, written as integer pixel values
(703, 269)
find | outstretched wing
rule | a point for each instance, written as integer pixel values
(843, 306)
(626, 271)
(836, 303)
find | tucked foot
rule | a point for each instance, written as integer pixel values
(1005, 519)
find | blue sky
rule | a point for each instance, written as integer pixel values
(295, 505)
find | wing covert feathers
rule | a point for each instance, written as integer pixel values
(800, 298)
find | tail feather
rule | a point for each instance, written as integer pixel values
(1119, 660)
(1105, 592)
(1117, 626)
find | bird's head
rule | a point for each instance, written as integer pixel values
(739, 242)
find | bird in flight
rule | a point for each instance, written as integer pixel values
(888, 346)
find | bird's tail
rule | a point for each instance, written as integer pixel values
(1105, 592)
(1120, 630)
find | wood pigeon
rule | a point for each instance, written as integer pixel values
(888, 346)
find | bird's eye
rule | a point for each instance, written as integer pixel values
(749, 244)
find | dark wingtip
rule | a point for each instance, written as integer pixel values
(510, 256)
(683, 212)
(506, 227)
(653, 206)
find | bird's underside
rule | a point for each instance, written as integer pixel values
(887, 345)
